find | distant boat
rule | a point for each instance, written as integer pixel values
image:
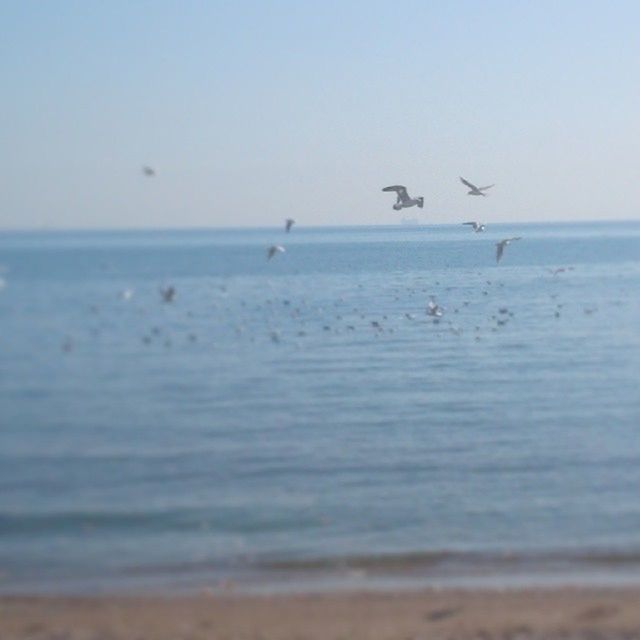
(410, 222)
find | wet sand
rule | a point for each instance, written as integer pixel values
(420, 615)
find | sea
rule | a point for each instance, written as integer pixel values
(373, 406)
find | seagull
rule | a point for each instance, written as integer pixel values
(404, 200)
(273, 249)
(434, 309)
(288, 223)
(148, 171)
(475, 191)
(477, 226)
(501, 245)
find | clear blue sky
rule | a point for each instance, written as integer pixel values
(254, 111)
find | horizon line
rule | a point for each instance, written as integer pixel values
(409, 225)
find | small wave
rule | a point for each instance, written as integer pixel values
(390, 562)
(68, 522)
(448, 559)
(150, 522)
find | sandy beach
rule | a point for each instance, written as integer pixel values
(542, 613)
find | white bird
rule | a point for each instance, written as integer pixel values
(148, 171)
(501, 245)
(478, 227)
(404, 200)
(434, 309)
(273, 249)
(288, 223)
(475, 191)
(126, 294)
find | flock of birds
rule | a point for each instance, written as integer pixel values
(282, 313)
(352, 317)
(404, 201)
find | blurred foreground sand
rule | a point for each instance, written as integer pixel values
(545, 613)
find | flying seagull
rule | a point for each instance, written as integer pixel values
(475, 191)
(477, 226)
(404, 200)
(288, 223)
(501, 245)
(434, 309)
(148, 171)
(273, 249)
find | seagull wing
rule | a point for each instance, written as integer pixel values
(276, 248)
(403, 196)
(485, 188)
(499, 250)
(468, 184)
(473, 224)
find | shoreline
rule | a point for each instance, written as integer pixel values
(413, 571)
(579, 612)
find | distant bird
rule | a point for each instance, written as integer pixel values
(404, 200)
(478, 227)
(555, 272)
(126, 294)
(148, 171)
(475, 191)
(502, 244)
(434, 309)
(168, 293)
(288, 223)
(273, 249)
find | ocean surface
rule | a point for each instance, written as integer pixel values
(303, 421)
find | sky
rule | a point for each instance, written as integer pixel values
(254, 111)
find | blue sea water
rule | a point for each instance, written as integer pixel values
(304, 414)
